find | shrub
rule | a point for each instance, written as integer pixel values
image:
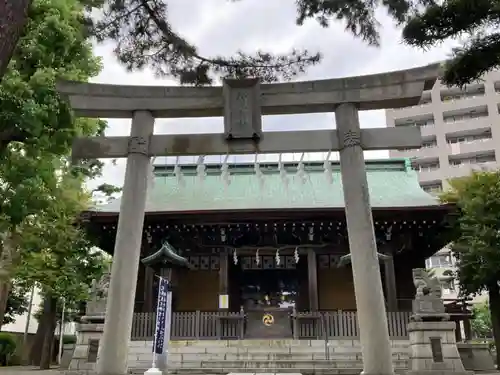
(69, 339)
(7, 348)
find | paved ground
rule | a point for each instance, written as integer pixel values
(24, 370)
(27, 370)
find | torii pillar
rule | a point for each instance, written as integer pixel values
(242, 102)
(370, 303)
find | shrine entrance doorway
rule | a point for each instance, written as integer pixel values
(269, 292)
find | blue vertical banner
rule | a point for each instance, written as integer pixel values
(161, 316)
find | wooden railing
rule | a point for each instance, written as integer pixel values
(199, 325)
(343, 324)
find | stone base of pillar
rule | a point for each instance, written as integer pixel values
(88, 337)
(433, 349)
(476, 357)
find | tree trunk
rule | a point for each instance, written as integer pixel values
(50, 321)
(494, 301)
(36, 347)
(13, 17)
(4, 298)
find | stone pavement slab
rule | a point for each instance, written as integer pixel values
(27, 370)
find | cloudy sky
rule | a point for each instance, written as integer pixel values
(222, 27)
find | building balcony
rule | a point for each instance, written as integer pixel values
(418, 153)
(471, 148)
(428, 130)
(430, 175)
(464, 170)
(466, 102)
(412, 111)
(466, 126)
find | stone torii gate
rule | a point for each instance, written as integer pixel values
(242, 103)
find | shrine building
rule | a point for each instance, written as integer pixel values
(242, 241)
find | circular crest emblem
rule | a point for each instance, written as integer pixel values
(268, 320)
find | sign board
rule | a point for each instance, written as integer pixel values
(437, 349)
(161, 316)
(223, 301)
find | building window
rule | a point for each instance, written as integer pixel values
(433, 188)
(429, 167)
(448, 286)
(470, 138)
(439, 261)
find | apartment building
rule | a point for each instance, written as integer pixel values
(443, 266)
(460, 130)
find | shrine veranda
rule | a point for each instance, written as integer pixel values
(235, 233)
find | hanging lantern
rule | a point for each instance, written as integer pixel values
(327, 166)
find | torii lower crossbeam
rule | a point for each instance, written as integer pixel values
(271, 142)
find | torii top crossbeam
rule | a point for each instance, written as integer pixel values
(375, 91)
(242, 102)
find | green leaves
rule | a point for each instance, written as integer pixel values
(476, 239)
(481, 324)
(475, 21)
(42, 194)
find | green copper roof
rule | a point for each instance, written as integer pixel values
(392, 183)
(166, 254)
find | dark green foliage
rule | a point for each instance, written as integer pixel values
(145, 37)
(475, 20)
(481, 324)
(69, 339)
(17, 304)
(477, 227)
(476, 238)
(7, 347)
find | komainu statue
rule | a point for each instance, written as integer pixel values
(425, 284)
(98, 296)
(428, 304)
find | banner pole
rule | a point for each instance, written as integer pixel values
(160, 328)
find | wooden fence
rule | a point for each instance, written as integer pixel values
(200, 325)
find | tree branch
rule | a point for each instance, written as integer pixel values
(440, 22)
(471, 62)
(145, 38)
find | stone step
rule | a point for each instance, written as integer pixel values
(260, 370)
(268, 350)
(294, 363)
(241, 366)
(264, 343)
(174, 357)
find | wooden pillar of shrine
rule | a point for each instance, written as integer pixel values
(149, 277)
(223, 277)
(312, 279)
(390, 283)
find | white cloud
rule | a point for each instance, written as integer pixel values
(221, 27)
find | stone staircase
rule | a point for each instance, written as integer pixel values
(262, 356)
